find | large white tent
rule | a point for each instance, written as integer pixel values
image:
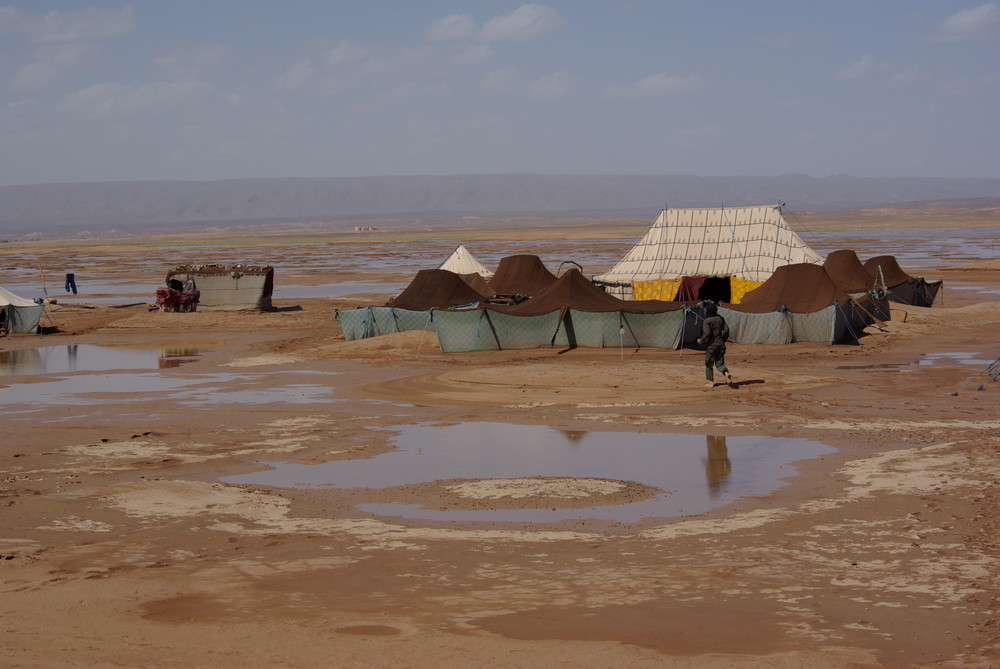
(746, 243)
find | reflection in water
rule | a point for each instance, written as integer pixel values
(718, 468)
(72, 358)
(574, 435)
(672, 463)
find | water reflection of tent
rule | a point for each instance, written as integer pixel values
(903, 288)
(718, 254)
(19, 314)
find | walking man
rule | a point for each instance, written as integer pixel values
(714, 333)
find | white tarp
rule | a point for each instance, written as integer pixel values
(461, 261)
(745, 242)
(9, 298)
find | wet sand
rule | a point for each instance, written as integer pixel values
(122, 546)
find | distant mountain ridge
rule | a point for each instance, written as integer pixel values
(141, 204)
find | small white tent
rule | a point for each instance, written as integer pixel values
(461, 261)
(18, 314)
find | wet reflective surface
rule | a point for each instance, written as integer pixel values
(696, 472)
(91, 358)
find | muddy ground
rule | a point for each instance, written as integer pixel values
(123, 544)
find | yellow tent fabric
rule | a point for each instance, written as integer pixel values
(659, 289)
(738, 288)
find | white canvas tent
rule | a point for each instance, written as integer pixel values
(746, 243)
(462, 262)
(18, 314)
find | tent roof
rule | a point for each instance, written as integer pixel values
(461, 261)
(435, 288)
(891, 271)
(846, 270)
(520, 275)
(9, 298)
(746, 242)
(573, 290)
(802, 288)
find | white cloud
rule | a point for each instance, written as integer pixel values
(50, 63)
(192, 60)
(502, 82)
(454, 27)
(524, 23)
(102, 101)
(658, 85)
(298, 76)
(84, 26)
(970, 25)
(862, 67)
(552, 86)
(867, 66)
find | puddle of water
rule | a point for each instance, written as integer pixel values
(198, 391)
(698, 473)
(92, 358)
(952, 356)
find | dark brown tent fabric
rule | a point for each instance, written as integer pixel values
(902, 287)
(801, 288)
(574, 291)
(891, 271)
(520, 275)
(476, 282)
(435, 288)
(690, 287)
(846, 270)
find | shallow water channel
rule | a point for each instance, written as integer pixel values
(695, 472)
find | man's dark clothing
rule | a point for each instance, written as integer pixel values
(714, 333)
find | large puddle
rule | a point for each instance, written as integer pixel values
(696, 473)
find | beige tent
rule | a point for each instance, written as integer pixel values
(746, 243)
(461, 261)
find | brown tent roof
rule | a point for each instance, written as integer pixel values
(435, 288)
(520, 275)
(891, 271)
(846, 270)
(574, 291)
(801, 288)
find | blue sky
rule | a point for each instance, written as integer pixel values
(218, 89)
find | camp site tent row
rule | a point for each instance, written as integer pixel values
(799, 303)
(517, 277)
(718, 254)
(19, 314)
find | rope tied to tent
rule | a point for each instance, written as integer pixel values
(990, 369)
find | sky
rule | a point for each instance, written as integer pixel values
(221, 89)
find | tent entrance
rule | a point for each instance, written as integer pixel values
(716, 289)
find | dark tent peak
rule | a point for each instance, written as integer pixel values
(435, 289)
(846, 270)
(903, 288)
(892, 273)
(800, 288)
(522, 275)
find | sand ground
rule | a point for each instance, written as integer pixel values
(121, 546)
